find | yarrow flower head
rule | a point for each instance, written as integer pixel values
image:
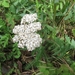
(25, 34)
(29, 18)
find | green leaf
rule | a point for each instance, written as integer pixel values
(5, 3)
(16, 51)
(3, 27)
(73, 65)
(17, 54)
(44, 71)
(73, 31)
(50, 28)
(67, 39)
(73, 43)
(61, 5)
(56, 1)
(0, 3)
(10, 19)
(2, 23)
(12, 9)
(69, 16)
(59, 14)
(4, 40)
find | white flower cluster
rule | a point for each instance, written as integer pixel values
(29, 18)
(25, 34)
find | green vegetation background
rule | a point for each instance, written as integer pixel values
(56, 55)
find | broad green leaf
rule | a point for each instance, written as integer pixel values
(73, 31)
(5, 3)
(0, 3)
(12, 9)
(61, 5)
(44, 71)
(50, 28)
(67, 39)
(56, 1)
(73, 65)
(73, 43)
(16, 2)
(69, 16)
(59, 14)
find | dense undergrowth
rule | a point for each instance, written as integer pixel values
(56, 55)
